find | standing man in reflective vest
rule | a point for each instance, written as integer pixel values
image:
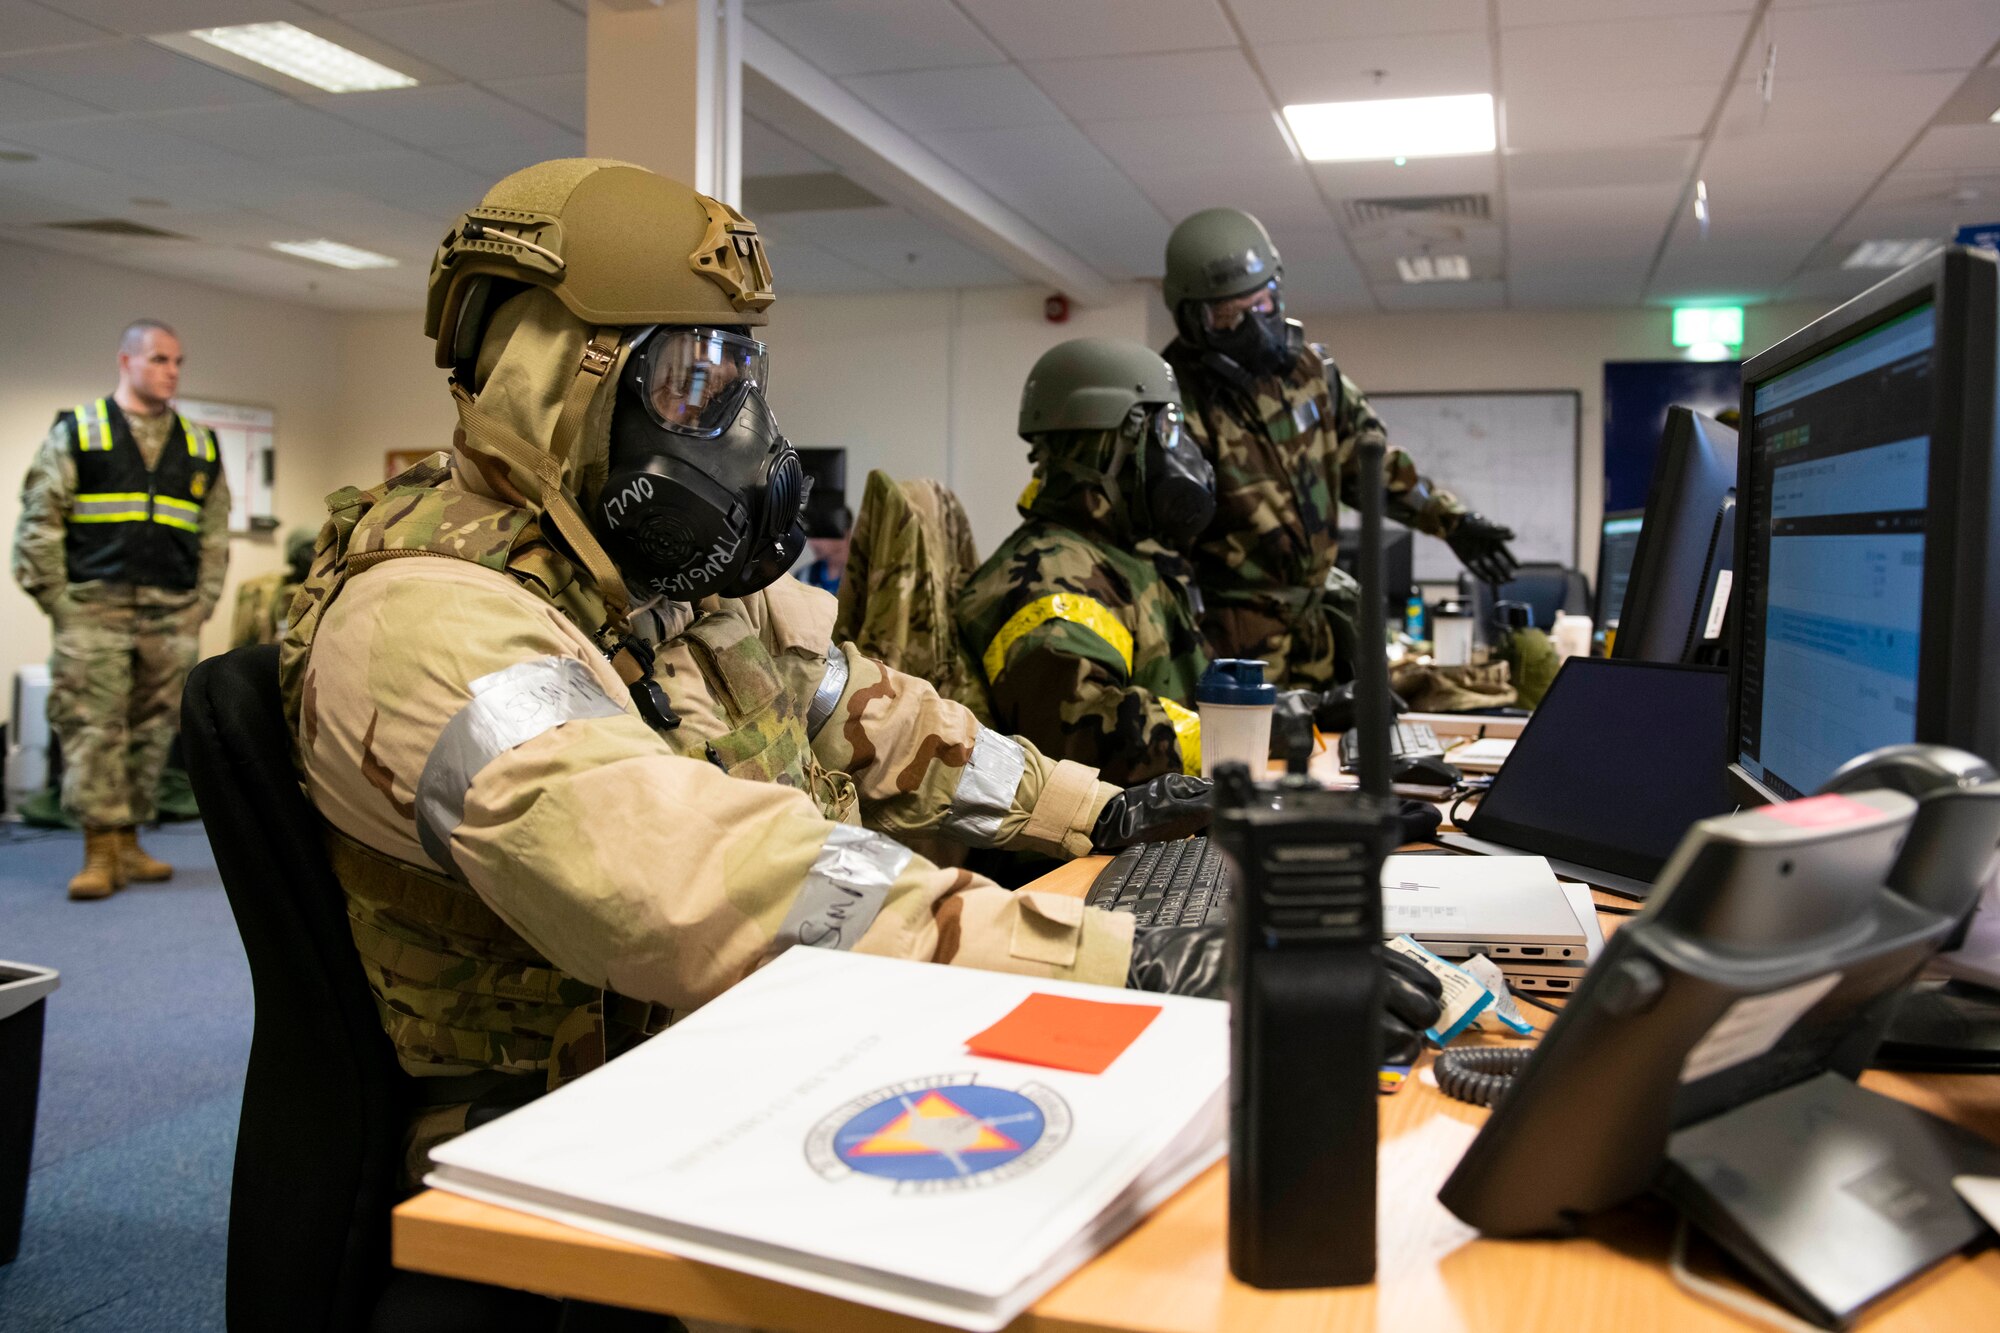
(123, 541)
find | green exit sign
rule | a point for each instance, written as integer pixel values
(1698, 324)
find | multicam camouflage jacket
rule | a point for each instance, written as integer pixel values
(532, 869)
(1284, 448)
(1086, 637)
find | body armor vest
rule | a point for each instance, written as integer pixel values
(128, 523)
(458, 990)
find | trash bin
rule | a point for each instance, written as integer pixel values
(22, 992)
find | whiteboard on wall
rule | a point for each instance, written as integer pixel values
(1511, 455)
(245, 436)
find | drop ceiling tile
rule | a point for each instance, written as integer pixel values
(1474, 174)
(485, 39)
(769, 153)
(131, 75)
(491, 161)
(902, 249)
(558, 97)
(1115, 229)
(863, 36)
(84, 191)
(1541, 116)
(283, 130)
(1437, 65)
(1589, 224)
(1635, 53)
(982, 97)
(357, 6)
(1893, 104)
(1880, 38)
(1756, 161)
(22, 208)
(1532, 13)
(807, 270)
(1165, 143)
(1049, 29)
(1379, 245)
(21, 104)
(448, 116)
(1956, 148)
(1908, 187)
(1750, 271)
(1662, 162)
(1279, 194)
(1324, 283)
(142, 151)
(25, 26)
(1562, 283)
(1277, 22)
(143, 17)
(1188, 83)
(416, 182)
(1831, 285)
(1488, 295)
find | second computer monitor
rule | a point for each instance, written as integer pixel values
(1617, 541)
(1678, 587)
(1867, 564)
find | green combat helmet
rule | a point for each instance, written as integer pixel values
(1215, 253)
(1090, 384)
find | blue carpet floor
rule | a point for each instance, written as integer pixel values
(142, 1078)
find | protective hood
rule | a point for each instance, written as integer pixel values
(526, 365)
(1070, 486)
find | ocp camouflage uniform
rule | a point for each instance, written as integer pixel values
(1284, 463)
(1088, 640)
(263, 605)
(535, 874)
(125, 634)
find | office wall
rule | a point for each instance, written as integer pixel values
(63, 316)
(928, 384)
(1524, 349)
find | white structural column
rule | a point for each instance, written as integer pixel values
(664, 89)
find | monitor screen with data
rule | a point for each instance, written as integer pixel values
(1838, 464)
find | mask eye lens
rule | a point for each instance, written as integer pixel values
(1221, 316)
(691, 379)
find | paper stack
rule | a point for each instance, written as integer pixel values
(826, 1123)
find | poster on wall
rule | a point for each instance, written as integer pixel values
(245, 437)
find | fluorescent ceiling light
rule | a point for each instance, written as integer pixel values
(323, 251)
(1391, 128)
(305, 56)
(1888, 254)
(1434, 268)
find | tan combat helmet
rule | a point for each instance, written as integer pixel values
(618, 247)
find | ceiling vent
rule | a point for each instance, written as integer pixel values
(1422, 207)
(118, 227)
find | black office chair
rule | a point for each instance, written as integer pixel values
(1546, 588)
(320, 1143)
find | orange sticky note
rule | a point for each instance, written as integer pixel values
(1054, 1030)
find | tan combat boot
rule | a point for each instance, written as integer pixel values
(134, 866)
(100, 876)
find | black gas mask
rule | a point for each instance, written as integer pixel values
(1179, 495)
(704, 496)
(1250, 329)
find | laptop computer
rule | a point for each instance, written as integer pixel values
(1619, 760)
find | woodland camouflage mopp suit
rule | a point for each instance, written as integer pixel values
(1082, 621)
(1281, 424)
(536, 787)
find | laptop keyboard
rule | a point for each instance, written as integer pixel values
(1405, 738)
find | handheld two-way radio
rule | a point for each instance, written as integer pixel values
(1306, 985)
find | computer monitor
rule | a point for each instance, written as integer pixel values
(1710, 1053)
(1397, 566)
(1679, 585)
(1615, 545)
(1865, 557)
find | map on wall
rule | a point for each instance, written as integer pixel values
(1510, 455)
(245, 437)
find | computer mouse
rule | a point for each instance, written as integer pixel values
(1423, 770)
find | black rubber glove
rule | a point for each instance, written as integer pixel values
(1334, 710)
(1171, 806)
(1413, 1000)
(1178, 960)
(1481, 546)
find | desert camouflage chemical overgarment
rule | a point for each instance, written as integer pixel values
(534, 873)
(1284, 451)
(1088, 637)
(121, 650)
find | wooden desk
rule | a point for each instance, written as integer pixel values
(1169, 1276)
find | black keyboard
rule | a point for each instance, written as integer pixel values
(1405, 738)
(1181, 883)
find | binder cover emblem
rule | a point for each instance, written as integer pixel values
(944, 1133)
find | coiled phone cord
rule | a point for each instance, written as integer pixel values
(1480, 1075)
